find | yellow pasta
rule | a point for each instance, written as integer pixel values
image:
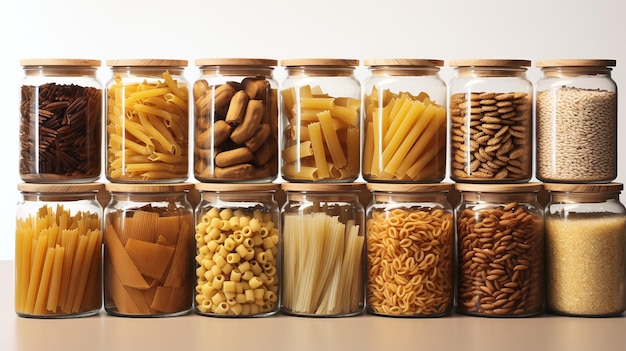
(330, 134)
(317, 144)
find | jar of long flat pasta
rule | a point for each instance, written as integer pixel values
(148, 250)
(320, 104)
(500, 247)
(237, 256)
(58, 250)
(147, 121)
(60, 121)
(236, 121)
(410, 250)
(585, 250)
(323, 243)
(404, 121)
(491, 121)
(576, 106)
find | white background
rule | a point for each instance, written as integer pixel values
(192, 29)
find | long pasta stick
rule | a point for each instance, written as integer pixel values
(330, 135)
(317, 144)
(92, 244)
(75, 275)
(70, 237)
(35, 273)
(409, 122)
(55, 285)
(44, 282)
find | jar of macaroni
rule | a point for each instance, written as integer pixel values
(576, 107)
(410, 250)
(404, 121)
(58, 250)
(236, 121)
(60, 121)
(491, 121)
(320, 104)
(500, 250)
(323, 249)
(148, 250)
(147, 121)
(585, 250)
(237, 256)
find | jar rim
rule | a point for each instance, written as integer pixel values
(410, 188)
(225, 61)
(236, 187)
(503, 63)
(148, 188)
(151, 62)
(322, 62)
(584, 188)
(403, 62)
(576, 63)
(60, 187)
(499, 188)
(323, 187)
(76, 62)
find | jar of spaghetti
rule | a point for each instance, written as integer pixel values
(404, 121)
(320, 104)
(323, 249)
(410, 250)
(236, 121)
(237, 256)
(60, 121)
(147, 121)
(58, 250)
(148, 250)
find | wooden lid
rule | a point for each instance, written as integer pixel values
(403, 62)
(319, 62)
(148, 188)
(409, 188)
(146, 63)
(583, 188)
(576, 63)
(323, 187)
(504, 63)
(236, 62)
(498, 188)
(60, 62)
(232, 187)
(60, 188)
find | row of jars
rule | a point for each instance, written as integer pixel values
(321, 253)
(392, 128)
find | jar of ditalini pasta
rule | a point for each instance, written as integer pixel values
(323, 249)
(147, 121)
(58, 250)
(237, 256)
(410, 250)
(500, 250)
(148, 250)
(404, 121)
(236, 121)
(576, 106)
(491, 122)
(320, 104)
(585, 250)
(60, 121)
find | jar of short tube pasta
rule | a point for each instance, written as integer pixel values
(585, 250)
(60, 121)
(404, 121)
(58, 250)
(500, 248)
(237, 250)
(410, 250)
(320, 111)
(148, 250)
(147, 121)
(491, 121)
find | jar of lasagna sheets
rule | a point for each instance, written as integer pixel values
(320, 104)
(148, 250)
(404, 121)
(147, 121)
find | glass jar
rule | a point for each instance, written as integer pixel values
(576, 106)
(148, 250)
(237, 256)
(320, 104)
(410, 250)
(404, 121)
(323, 249)
(491, 121)
(236, 121)
(500, 250)
(58, 250)
(585, 250)
(60, 121)
(147, 121)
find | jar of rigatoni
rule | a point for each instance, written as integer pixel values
(147, 121)
(320, 104)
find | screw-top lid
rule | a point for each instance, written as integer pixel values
(323, 187)
(403, 62)
(576, 63)
(35, 62)
(409, 188)
(146, 63)
(232, 187)
(499, 188)
(60, 188)
(148, 188)
(236, 62)
(324, 62)
(504, 63)
(584, 188)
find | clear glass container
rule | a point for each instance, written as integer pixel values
(491, 121)
(60, 121)
(404, 121)
(58, 250)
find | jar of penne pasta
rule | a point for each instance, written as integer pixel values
(58, 250)
(147, 121)
(491, 121)
(148, 250)
(320, 104)
(237, 255)
(404, 121)
(60, 121)
(323, 249)
(236, 121)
